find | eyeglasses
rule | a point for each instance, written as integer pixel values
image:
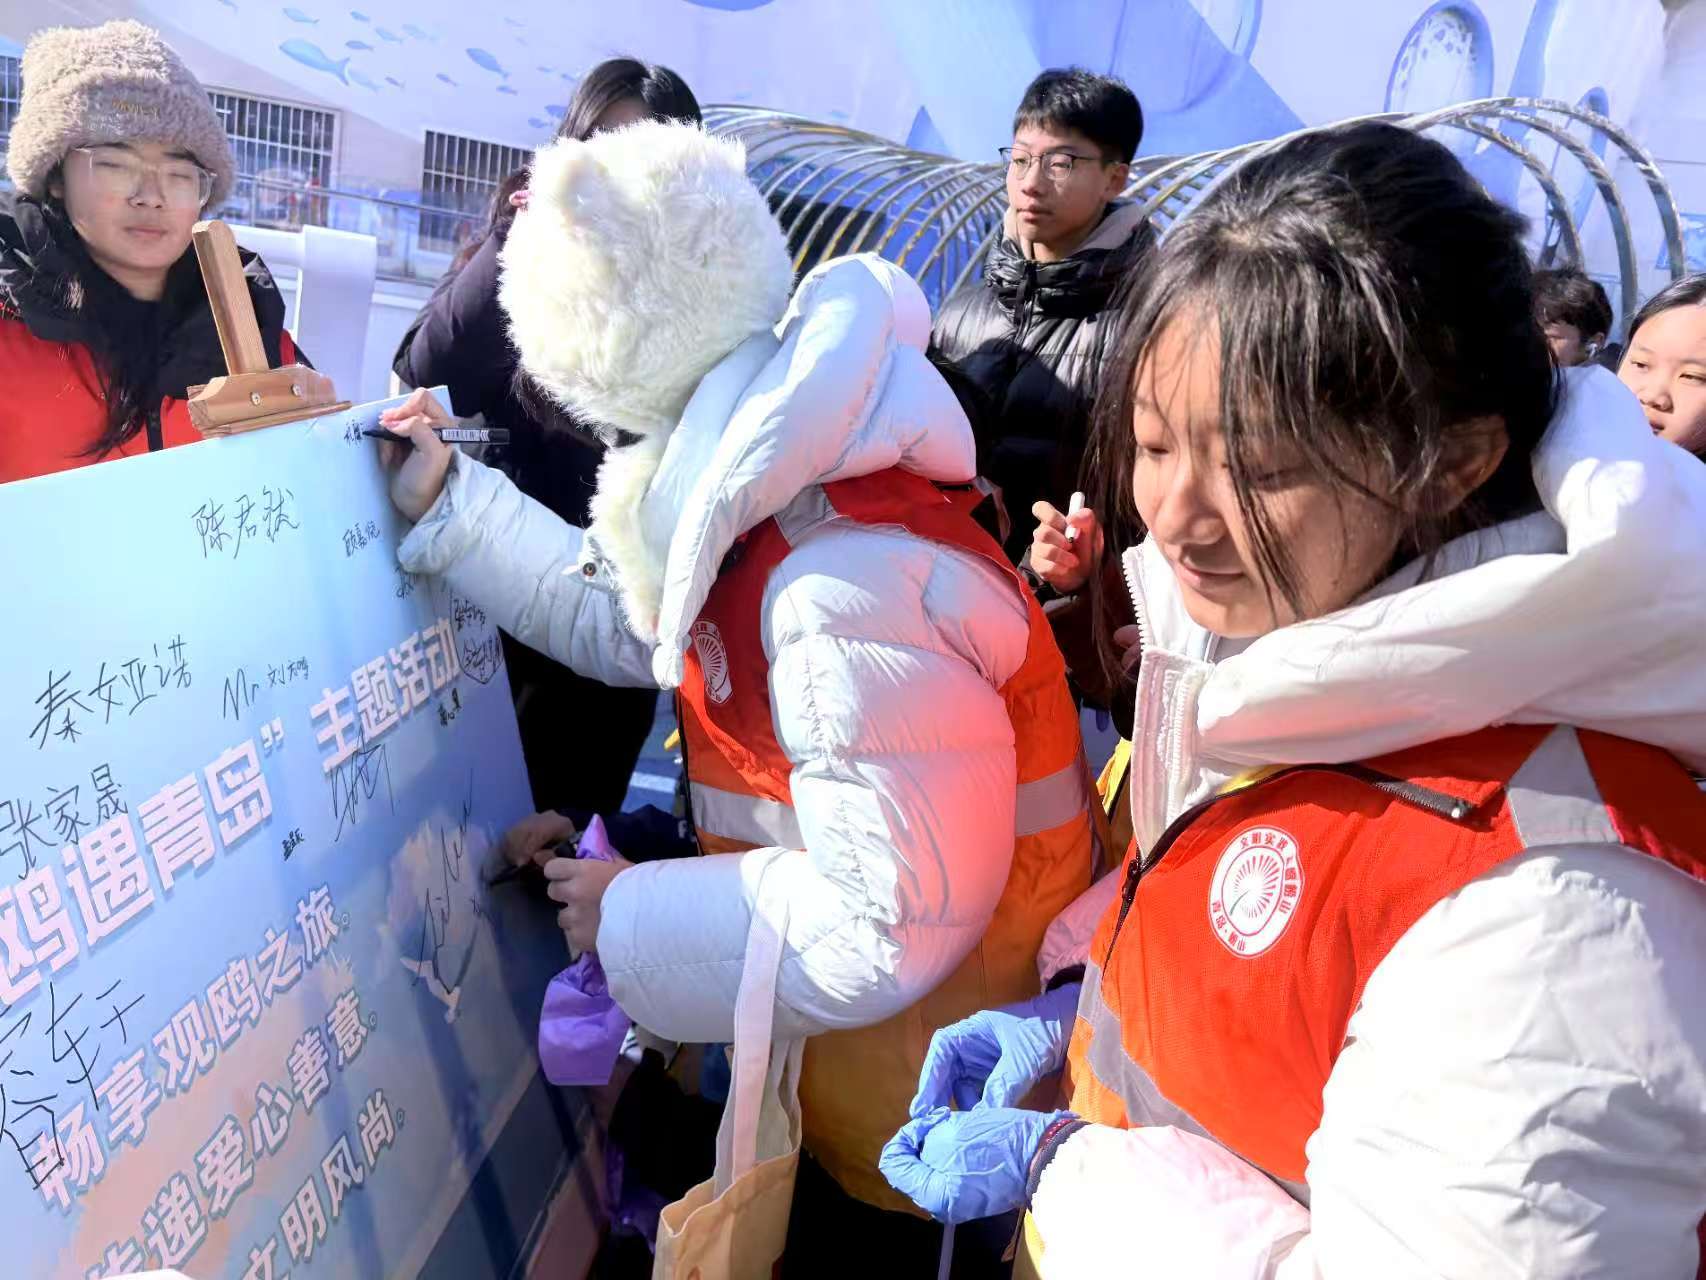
(1056, 165)
(183, 184)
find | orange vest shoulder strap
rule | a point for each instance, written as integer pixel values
(920, 506)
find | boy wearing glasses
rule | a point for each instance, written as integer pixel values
(1031, 334)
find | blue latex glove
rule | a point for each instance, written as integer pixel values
(996, 1057)
(961, 1165)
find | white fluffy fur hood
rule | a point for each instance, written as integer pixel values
(644, 284)
(643, 258)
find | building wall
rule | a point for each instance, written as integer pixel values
(1670, 118)
(944, 75)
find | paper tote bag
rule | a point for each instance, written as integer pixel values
(733, 1226)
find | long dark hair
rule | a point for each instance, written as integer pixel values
(125, 353)
(1372, 301)
(665, 94)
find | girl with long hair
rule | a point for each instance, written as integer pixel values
(1398, 978)
(104, 320)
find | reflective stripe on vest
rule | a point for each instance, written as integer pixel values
(1052, 802)
(1553, 798)
(1177, 1026)
(1040, 806)
(1142, 1102)
(751, 820)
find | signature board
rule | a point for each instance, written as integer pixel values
(259, 1012)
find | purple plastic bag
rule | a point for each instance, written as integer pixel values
(580, 1028)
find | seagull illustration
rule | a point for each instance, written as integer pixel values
(450, 997)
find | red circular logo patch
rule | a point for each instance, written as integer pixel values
(1255, 890)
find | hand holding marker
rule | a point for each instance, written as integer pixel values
(418, 471)
(1059, 556)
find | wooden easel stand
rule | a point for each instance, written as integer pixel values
(251, 395)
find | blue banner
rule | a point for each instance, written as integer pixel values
(259, 1011)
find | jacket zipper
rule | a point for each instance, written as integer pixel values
(1137, 608)
(684, 786)
(1173, 768)
(1438, 803)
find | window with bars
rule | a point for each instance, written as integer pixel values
(460, 175)
(11, 91)
(283, 153)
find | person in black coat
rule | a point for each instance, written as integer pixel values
(1033, 332)
(581, 738)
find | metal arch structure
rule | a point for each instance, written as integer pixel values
(838, 191)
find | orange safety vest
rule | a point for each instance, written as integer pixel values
(1267, 908)
(857, 1084)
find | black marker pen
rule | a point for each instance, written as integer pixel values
(450, 435)
(510, 871)
(569, 848)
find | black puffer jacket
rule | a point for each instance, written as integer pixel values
(1032, 337)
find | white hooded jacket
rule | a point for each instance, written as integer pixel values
(886, 655)
(1522, 1090)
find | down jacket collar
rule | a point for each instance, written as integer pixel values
(1590, 613)
(1078, 285)
(841, 389)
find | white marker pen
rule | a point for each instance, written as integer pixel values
(1073, 508)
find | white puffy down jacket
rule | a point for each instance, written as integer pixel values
(886, 656)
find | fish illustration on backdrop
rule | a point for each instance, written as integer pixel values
(556, 112)
(364, 80)
(392, 80)
(390, 37)
(504, 88)
(410, 29)
(547, 71)
(358, 44)
(359, 17)
(534, 122)
(314, 57)
(514, 22)
(447, 80)
(229, 4)
(296, 15)
(480, 58)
